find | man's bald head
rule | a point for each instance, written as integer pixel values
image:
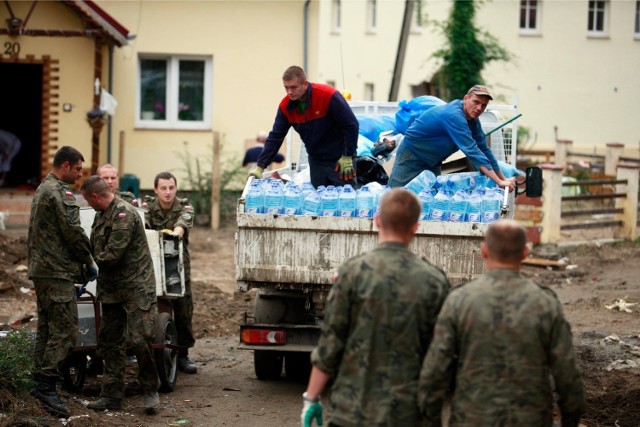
(505, 241)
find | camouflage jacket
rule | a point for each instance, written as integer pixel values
(180, 214)
(500, 337)
(122, 253)
(58, 246)
(377, 327)
(128, 197)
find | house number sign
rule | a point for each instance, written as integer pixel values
(11, 48)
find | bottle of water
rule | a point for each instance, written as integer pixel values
(364, 203)
(292, 199)
(491, 204)
(274, 198)
(426, 200)
(307, 188)
(254, 202)
(458, 207)
(379, 194)
(474, 206)
(424, 181)
(440, 207)
(311, 204)
(347, 201)
(329, 201)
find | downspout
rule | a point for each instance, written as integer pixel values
(110, 91)
(306, 35)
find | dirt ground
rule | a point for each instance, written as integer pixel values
(225, 391)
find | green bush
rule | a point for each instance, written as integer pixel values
(16, 360)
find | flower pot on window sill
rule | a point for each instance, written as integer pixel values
(147, 115)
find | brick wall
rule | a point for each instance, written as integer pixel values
(529, 214)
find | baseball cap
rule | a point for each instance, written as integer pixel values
(480, 90)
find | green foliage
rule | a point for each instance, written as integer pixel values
(198, 176)
(16, 361)
(467, 51)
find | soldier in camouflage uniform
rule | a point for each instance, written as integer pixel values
(109, 173)
(498, 340)
(126, 291)
(58, 247)
(377, 327)
(167, 212)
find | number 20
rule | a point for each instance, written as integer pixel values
(11, 48)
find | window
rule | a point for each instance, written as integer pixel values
(637, 21)
(529, 16)
(369, 94)
(418, 20)
(597, 17)
(371, 15)
(335, 15)
(175, 93)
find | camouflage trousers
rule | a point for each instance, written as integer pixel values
(57, 325)
(183, 315)
(117, 319)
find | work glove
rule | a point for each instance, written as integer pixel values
(344, 167)
(92, 272)
(311, 411)
(256, 172)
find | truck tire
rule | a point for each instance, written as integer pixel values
(297, 366)
(267, 364)
(166, 358)
(74, 371)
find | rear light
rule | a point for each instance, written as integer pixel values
(263, 336)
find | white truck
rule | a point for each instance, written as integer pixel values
(291, 260)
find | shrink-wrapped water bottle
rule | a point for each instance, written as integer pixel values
(458, 206)
(424, 181)
(329, 201)
(491, 204)
(292, 199)
(440, 207)
(254, 202)
(474, 207)
(347, 201)
(311, 204)
(378, 197)
(274, 198)
(426, 200)
(307, 188)
(364, 203)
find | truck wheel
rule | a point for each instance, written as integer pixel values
(74, 371)
(166, 358)
(268, 364)
(297, 366)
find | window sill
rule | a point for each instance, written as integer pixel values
(142, 125)
(335, 32)
(598, 36)
(636, 36)
(530, 33)
(371, 32)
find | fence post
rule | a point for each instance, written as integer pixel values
(629, 217)
(551, 203)
(611, 157)
(562, 152)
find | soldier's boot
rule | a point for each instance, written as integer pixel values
(151, 403)
(47, 393)
(105, 403)
(185, 364)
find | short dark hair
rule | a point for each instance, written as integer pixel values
(294, 72)
(505, 240)
(67, 154)
(399, 210)
(164, 175)
(95, 184)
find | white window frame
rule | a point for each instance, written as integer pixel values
(336, 16)
(369, 92)
(636, 22)
(372, 16)
(173, 68)
(604, 32)
(417, 24)
(529, 6)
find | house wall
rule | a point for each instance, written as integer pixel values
(76, 59)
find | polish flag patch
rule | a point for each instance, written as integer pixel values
(122, 215)
(68, 193)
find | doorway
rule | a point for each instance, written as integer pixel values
(21, 114)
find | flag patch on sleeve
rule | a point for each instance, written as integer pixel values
(122, 215)
(68, 194)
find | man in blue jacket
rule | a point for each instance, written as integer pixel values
(326, 124)
(441, 131)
